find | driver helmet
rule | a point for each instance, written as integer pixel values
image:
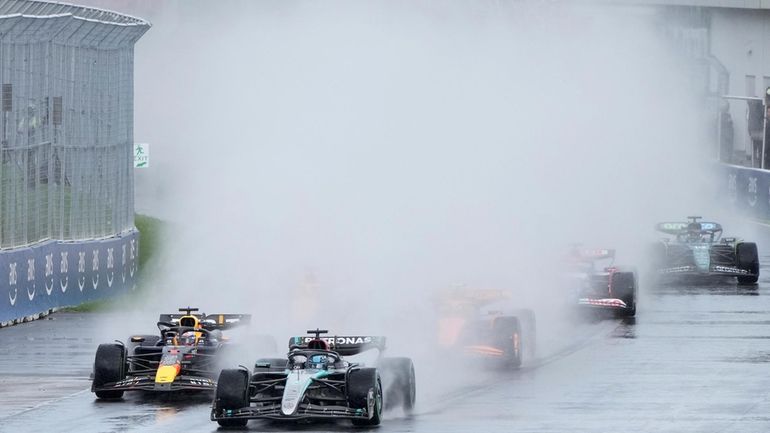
(318, 361)
(693, 232)
(317, 344)
(187, 339)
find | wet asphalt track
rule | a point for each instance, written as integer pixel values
(696, 359)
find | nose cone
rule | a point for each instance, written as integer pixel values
(166, 373)
(294, 391)
(702, 256)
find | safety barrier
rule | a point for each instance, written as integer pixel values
(748, 190)
(55, 274)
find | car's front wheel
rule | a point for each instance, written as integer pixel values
(232, 394)
(747, 256)
(624, 288)
(364, 391)
(507, 331)
(109, 367)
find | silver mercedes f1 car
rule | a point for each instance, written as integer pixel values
(314, 381)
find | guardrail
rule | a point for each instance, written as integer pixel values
(37, 279)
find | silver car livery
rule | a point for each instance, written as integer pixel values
(315, 381)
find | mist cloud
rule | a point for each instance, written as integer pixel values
(336, 163)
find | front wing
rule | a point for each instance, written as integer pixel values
(603, 303)
(715, 270)
(147, 383)
(305, 411)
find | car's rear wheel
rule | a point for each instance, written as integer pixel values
(364, 387)
(624, 288)
(400, 384)
(232, 394)
(109, 367)
(507, 330)
(747, 258)
(528, 323)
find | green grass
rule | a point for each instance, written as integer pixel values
(151, 232)
(90, 307)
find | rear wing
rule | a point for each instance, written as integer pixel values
(211, 321)
(345, 345)
(225, 321)
(678, 228)
(174, 318)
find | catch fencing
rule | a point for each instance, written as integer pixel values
(66, 122)
(66, 151)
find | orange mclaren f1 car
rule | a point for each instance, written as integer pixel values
(486, 324)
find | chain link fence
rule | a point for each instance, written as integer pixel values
(66, 122)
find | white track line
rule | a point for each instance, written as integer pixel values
(45, 403)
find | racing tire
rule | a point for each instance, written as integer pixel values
(528, 322)
(508, 334)
(363, 384)
(270, 365)
(109, 367)
(747, 258)
(400, 383)
(624, 288)
(232, 393)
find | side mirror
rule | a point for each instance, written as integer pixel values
(137, 339)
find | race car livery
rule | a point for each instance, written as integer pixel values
(697, 249)
(598, 284)
(314, 381)
(486, 324)
(184, 357)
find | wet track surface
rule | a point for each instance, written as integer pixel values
(696, 359)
